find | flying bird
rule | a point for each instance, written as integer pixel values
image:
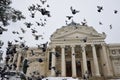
(84, 39)
(100, 23)
(15, 32)
(43, 1)
(100, 8)
(20, 38)
(16, 40)
(48, 5)
(69, 17)
(43, 24)
(38, 23)
(44, 12)
(45, 19)
(110, 26)
(66, 22)
(1, 44)
(40, 60)
(36, 36)
(115, 11)
(22, 44)
(34, 31)
(2, 29)
(28, 24)
(38, 5)
(32, 10)
(44, 46)
(23, 31)
(74, 11)
(84, 23)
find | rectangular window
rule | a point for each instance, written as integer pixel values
(113, 52)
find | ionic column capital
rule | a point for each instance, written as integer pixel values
(93, 45)
(83, 45)
(53, 46)
(103, 44)
(62, 46)
(72, 46)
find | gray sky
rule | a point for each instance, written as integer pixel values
(59, 9)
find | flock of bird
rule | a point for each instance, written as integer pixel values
(34, 8)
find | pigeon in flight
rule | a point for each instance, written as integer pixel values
(1, 44)
(48, 5)
(16, 40)
(32, 10)
(100, 8)
(100, 23)
(74, 11)
(110, 26)
(84, 39)
(2, 29)
(34, 31)
(20, 38)
(38, 23)
(44, 12)
(43, 1)
(23, 31)
(43, 24)
(66, 22)
(28, 24)
(36, 36)
(40, 60)
(84, 23)
(115, 11)
(15, 32)
(44, 46)
(69, 17)
(38, 5)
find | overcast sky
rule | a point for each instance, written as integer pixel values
(59, 9)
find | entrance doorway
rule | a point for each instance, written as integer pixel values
(78, 67)
(89, 68)
(68, 69)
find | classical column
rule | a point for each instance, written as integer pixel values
(106, 63)
(84, 59)
(73, 61)
(63, 62)
(53, 62)
(96, 67)
(19, 61)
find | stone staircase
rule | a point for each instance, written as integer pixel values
(95, 78)
(102, 78)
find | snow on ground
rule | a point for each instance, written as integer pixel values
(60, 78)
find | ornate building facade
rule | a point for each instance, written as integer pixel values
(73, 51)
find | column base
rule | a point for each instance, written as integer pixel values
(74, 76)
(97, 75)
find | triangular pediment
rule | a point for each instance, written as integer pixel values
(76, 34)
(72, 35)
